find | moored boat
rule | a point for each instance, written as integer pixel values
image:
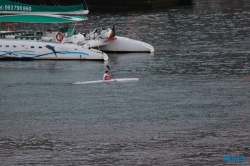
(99, 41)
(124, 44)
(104, 42)
(44, 45)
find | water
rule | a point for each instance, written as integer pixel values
(190, 106)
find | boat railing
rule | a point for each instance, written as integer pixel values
(126, 33)
(17, 33)
(89, 36)
(102, 33)
(14, 33)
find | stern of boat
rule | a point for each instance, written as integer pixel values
(101, 53)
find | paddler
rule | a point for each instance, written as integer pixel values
(106, 75)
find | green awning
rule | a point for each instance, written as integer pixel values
(44, 18)
(10, 6)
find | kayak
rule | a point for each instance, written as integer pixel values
(105, 81)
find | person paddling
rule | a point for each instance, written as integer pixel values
(106, 75)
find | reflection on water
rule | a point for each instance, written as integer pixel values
(189, 107)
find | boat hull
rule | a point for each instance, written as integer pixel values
(106, 81)
(29, 49)
(123, 44)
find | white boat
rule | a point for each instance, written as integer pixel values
(124, 44)
(106, 81)
(44, 45)
(99, 39)
(119, 44)
(93, 39)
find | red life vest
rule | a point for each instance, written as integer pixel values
(106, 77)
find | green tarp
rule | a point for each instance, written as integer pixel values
(44, 18)
(9, 6)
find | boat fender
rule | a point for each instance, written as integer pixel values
(9, 27)
(59, 36)
(79, 38)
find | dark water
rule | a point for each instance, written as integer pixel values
(190, 107)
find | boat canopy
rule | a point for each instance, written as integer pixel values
(7, 6)
(44, 18)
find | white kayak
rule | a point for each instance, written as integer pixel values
(112, 80)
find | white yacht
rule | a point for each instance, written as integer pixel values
(100, 39)
(44, 44)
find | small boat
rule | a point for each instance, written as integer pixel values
(118, 44)
(124, 44)
(106, 81)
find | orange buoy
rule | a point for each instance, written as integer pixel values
(59, 36)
